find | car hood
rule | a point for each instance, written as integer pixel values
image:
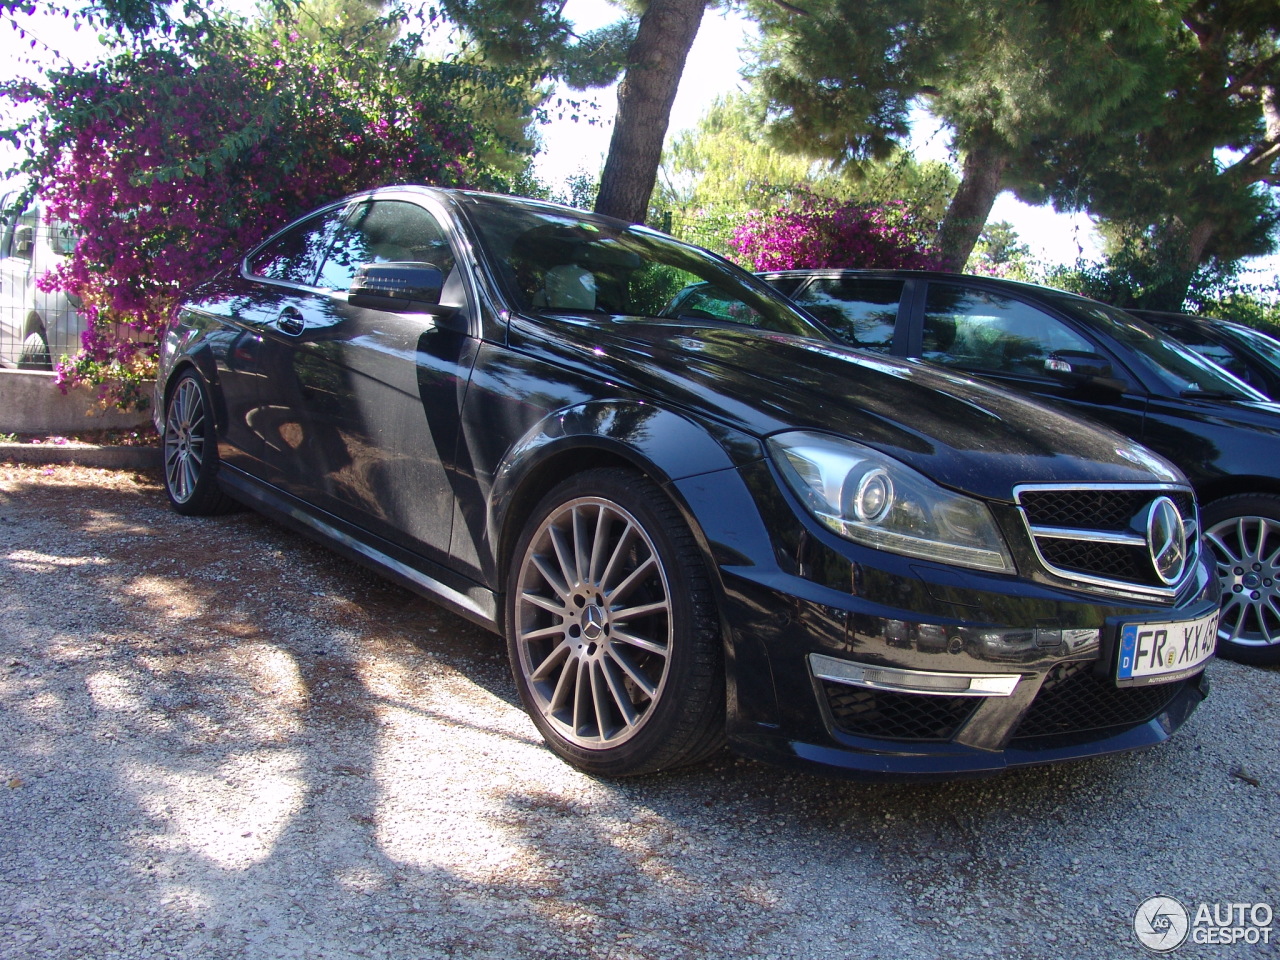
(965, 435)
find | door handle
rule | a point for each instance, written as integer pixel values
(290, 321)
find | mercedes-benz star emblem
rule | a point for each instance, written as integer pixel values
(593, 623)
(1167, 539)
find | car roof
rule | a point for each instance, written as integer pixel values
(1034, 289)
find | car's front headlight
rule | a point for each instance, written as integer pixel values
(874, 500)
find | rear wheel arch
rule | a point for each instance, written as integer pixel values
(206, 370)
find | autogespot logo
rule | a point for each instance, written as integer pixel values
(1163, 924)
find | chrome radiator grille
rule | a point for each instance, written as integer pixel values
(1100, 535)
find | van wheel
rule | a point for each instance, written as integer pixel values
(35, 353)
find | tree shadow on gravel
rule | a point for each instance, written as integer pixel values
(234, 743)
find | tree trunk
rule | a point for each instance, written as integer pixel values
(984, 167)
(654, 66)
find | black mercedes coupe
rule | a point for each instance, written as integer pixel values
(692, 522)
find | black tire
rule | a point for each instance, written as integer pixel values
(1244, 534)
(34, 354)
(191, 450)
(612, 629)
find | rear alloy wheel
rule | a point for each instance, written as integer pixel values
(612, 631)
(1244, 533)
(190, 450)
(34, 354)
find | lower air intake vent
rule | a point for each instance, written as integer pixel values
(897, 716)
(1074, 700)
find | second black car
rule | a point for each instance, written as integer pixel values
(1103, 363)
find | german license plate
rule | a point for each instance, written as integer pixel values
(1164, 652)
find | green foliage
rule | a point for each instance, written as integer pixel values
(536, 38)
(1000, 252)
(1140, 273)
(727, 168)
(1255, 306)
(842, 78)
(1187, 164)
(364, 25)
(728, 161)
(1111, 106)
(173, 157)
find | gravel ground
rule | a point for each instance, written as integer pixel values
(222, 741)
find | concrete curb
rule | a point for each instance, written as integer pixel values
(83, 455)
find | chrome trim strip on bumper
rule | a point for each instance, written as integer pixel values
(924, 682)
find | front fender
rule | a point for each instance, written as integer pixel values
(664, 445)
(699, 465)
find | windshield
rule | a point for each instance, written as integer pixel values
(552, 260)
(1179, 368)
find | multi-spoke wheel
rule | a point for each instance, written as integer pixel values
(1244, 533)
(190, 450)
(612, 630)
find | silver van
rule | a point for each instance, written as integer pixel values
(36, 327)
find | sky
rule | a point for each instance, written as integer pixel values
(713, 69)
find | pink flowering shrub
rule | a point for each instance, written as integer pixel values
(824, 233)
(172, 162)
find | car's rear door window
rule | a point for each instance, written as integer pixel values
(987, 332)
(294, 256)
(862, 311)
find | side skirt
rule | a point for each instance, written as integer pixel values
(459, 594)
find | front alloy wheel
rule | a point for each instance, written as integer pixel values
(612, 632)
(1244, 534)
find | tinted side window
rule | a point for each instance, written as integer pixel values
(295, 255)
(785, 285)
(385, 231)
(978, 330)
(1220, 354)
(862, 311)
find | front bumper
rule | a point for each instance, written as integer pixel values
(873, 666)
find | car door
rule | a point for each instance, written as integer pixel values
(364, 402)
(1016, 344)
(246, 308)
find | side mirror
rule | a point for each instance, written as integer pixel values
(1081, 368)
(24, 241)
(398, 287)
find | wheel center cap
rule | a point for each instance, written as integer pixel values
(593, 622)
(1252, 580)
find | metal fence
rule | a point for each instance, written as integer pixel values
(706, 228)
